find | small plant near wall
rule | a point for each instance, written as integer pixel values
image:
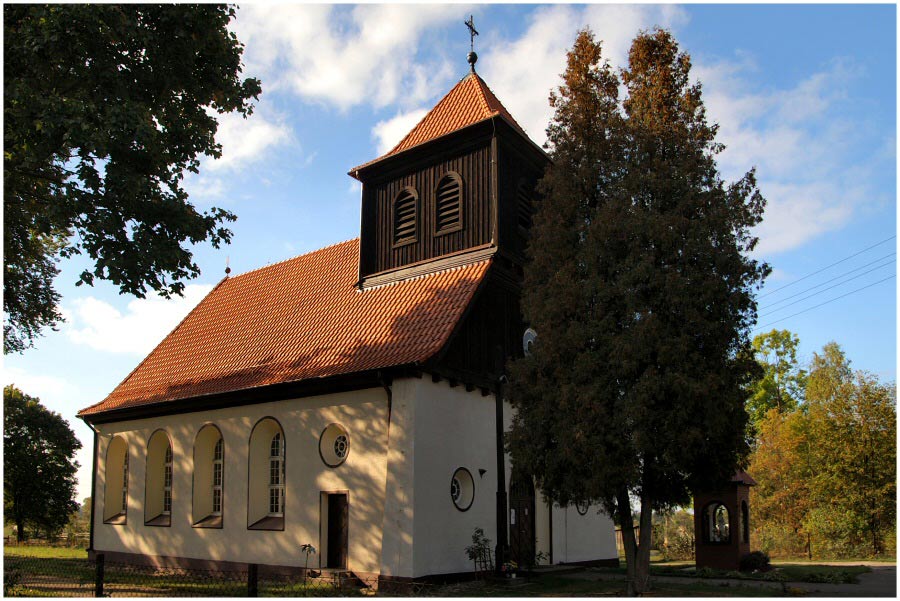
(308, 550)
(479, 552)
(509, 569)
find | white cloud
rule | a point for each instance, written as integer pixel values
(245, 141)
(800, 143)
(99, 325)
(43, 386)
(388, 133)
(523, 71)
(344, 56)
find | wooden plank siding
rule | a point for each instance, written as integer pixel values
(474, 169)
(518, 163)
(490, 334)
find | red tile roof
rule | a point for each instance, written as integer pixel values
(469, 102)
(743, 477)
(299, 319)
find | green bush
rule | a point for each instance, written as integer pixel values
(757, 561)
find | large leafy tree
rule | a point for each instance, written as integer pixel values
(106, 108)
(38, 464)
(640, 289)
(783, 382)
(853, 422)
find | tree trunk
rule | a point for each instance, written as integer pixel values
(20, 529)
(623, 505)
(642, 567)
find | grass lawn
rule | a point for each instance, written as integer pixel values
(562, 586)
(45, 552)
(783, 572)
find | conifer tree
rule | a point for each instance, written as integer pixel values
(640, 290)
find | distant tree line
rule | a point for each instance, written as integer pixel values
(824, 454)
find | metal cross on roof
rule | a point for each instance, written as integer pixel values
(472, 33)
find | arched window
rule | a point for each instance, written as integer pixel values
(209, 477)
(448, 204)
(276, 477)
(218, 457)
(716, 523)
(158, 486)
(745, 522)
(115, 498)
(406, 217)
(266, 480)
(524, 210)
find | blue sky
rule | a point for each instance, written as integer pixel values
(805, 93)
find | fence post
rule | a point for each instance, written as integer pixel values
(252, 580)
(98, 581)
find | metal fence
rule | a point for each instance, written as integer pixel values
(41, 577)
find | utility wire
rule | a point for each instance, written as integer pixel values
(769, 307)
(825, 303)
(827, 267)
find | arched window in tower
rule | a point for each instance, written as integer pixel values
(524, 210)
(406, 217)
(448, 204)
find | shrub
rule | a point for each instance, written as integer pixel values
(757, 561)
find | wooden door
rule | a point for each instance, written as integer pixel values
(338, 520)
(521, 519)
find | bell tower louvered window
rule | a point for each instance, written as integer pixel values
(523, 206)
(448, 204)
(406, 217)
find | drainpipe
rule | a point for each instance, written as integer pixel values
(501, 549)
(93, 487)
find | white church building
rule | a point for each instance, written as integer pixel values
(351, 398)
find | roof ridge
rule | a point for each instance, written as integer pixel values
(300, 256)
(480, 85)
(424, 117)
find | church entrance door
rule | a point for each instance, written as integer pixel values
(521, 519)
(338, 508)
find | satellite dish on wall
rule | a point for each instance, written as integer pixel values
(528, 339)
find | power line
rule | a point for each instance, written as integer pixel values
(825, 303)
(826, 267)
(769, 308)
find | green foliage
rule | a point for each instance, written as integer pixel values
(673, 535)
(782, 383)
(755, 561)
(853, 422)
(480, 547)
(826, 471)
(106, 109)
(38, 464)
(640, 288)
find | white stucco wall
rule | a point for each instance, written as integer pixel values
(453, 428)
(364, 415)
(582, 537)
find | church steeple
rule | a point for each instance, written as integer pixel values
(459, 186)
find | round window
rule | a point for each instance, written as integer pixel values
(462, 489)
(334, 445)
(581, 507)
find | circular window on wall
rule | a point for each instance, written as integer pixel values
(334, 445)
(462, 489)
(581, 507)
